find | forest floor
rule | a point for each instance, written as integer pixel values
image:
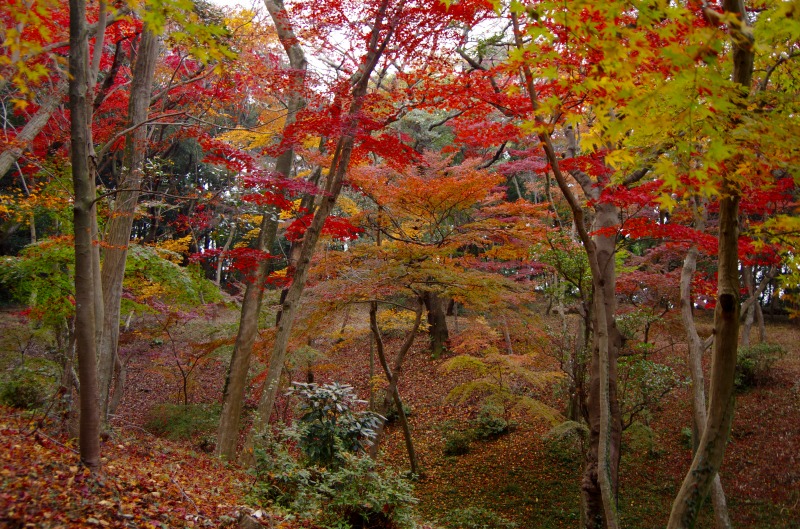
(152, 481)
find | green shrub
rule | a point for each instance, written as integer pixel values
(639, 438)
(392, 415)
(328, 426)
(686, 438)
(566, 442)
(476, 518)
(24, 391)
(754, 364)
(30, 385)
(491, 422)
(176, 421)
(355, 493)
(457, 443)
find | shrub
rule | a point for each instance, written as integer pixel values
(328, 426)
(754, 364)
(643, 384)
(176, 421)
(456, 442)
(392, 415)
(29, 385)
(566, 441)
(491, 421)
(476, 518)
(353, 493)
(640, 439)
(23, 391)
(686, 438)
(363, 495)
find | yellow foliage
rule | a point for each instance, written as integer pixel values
(175, 249)
(289, 214)
(247, 238)
(396, 322)
(249, 218)
(257, 137)
(347, 205)
(149, 290)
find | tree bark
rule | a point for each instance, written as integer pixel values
(711, 447)
(33, 127)
(82, 157)
(118, 230)
(599, 484)
(339, 164)
(236, 380)
(696, 347)
(437, 323)
(750, 313)
(393, 376)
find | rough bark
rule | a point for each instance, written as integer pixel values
(338, 168)
(437, 323)
(120, 223)
(393, 376)
(236, 380)
(711, 447)
(83, 213)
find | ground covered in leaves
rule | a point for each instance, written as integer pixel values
(151, 481)
(145, 482)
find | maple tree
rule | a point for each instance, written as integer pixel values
(474, 160)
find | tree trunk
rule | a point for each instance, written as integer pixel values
(600, 478)
(437, 323)
(220, 259)
(82, 157)
(750, 313)
(599, 484)
(236, 380)
(696, 348)
(338, 169)
(507, 337)
(33, 127)
(711, 447)
(393, 376)
(118, 230)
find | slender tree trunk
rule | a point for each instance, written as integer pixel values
(82, 157)
(600, 481)
(599, 484)
(711, 447)
(695, 358)
(118, 230)
(507, 337)
(228, 242)
(236, 380)
(393, 376)
(339, 165)
(750, 313)
(33, 127)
